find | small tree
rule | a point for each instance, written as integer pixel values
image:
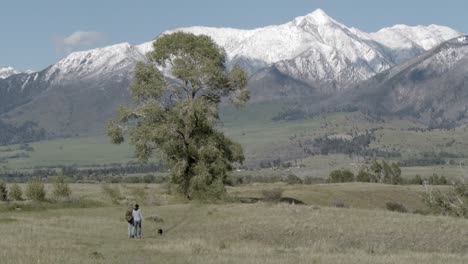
(376, 169)
(3, 191)
(417, 180)
(178, 117)
(363, 175)
(15, 192)
(396, 174)
(35, 190)
(341, 176)
(387, 172)
(61, 188)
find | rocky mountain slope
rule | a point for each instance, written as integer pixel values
(431, 88)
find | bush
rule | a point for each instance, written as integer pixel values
(363, 176)
(272, 195)
(149, 178)
(3, 191)
(133, 179)
(35, 190)
(340, 204)
(313, 180)
(417, 180)
(293, 179)
(61, 188)
(341, 176)
(437, 180)
(15, 192)
(396, 207)
(454, 202)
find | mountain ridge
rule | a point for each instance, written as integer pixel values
(431, 88)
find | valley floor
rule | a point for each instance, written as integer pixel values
(235, 232)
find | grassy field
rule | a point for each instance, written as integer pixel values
(236, 233)
(266, 140)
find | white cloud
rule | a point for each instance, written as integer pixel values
(79, 39)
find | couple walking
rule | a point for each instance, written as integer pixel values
(134, 219)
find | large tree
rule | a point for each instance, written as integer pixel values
(177, 116)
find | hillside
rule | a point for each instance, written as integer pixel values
(431, 88)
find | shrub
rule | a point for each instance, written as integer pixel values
(272, 195)
(293, 179)
(313, 180)
(149, 178)
(341, 176)
(453, 202)
(340, 204)
(3, 191)
(15, 192)
(133, 179)
(396, 207)
(437, 180)
(417, 180)
(61, 188)
(363, 176)
(35, 190)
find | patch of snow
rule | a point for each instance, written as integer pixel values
(6, 72)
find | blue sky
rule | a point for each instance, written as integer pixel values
(36, 34)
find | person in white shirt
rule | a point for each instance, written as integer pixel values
(137, 219)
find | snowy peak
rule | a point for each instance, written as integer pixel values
(318, 17)
(425, 37)
(6, 72)
(89, 63)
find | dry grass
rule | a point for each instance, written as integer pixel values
(232, 233)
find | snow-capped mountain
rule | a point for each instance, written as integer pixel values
(321, 51)
(7, 72)
(313, 55)
(314, 48)
(97, 63)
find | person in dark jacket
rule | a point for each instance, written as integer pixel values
(129, 219)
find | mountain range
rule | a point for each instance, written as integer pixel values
(313, 56)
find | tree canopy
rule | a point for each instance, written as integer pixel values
(176, 113)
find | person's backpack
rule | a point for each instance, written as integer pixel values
(129, 216)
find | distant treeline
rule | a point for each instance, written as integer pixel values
(433, 158)
(356, 145)
(27, 132)
(79, 174)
